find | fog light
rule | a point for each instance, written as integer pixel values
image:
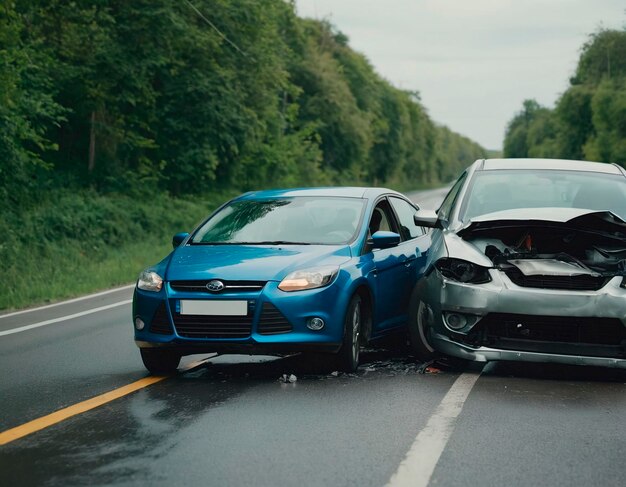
(315, 324)
(456, 321)
(139, 324)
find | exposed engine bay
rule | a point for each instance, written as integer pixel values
(553, 254)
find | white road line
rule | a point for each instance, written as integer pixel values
(63, 318)
(69, 301)
(419, 463)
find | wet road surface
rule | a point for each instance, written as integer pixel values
(229, 420)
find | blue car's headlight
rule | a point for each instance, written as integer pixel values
(308, 279)
(150, 281)
(463, 271)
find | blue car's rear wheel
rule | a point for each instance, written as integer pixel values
(348, 355)
(159, 361)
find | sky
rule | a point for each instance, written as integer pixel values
(472, 61)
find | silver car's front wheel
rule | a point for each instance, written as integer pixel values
(418, 330)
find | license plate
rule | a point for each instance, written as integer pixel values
(213, 308)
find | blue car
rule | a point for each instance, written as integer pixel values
(281, 271)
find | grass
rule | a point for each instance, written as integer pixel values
(70, 244)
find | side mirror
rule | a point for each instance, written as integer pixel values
(385, 240)
(427, 218)
(178, 238)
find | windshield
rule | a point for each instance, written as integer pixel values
(299, 220)
(492, 191)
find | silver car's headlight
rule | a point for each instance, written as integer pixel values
(150, 281)
(308, 279)
(463, 271)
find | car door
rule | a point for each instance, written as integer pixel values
(415, 246)
(388, 276)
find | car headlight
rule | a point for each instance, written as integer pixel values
(463, 271)
(308, 279)
(150, 281)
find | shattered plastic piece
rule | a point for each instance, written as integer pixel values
(335, 373)
(292, 378)
(433, 370)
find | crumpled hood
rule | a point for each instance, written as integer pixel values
(249, 262)
(605, 222)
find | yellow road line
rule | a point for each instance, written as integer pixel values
(62, 414)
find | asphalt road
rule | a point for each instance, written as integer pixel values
(228, 420)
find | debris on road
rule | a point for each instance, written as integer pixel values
(288, 379)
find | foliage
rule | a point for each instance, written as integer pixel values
(186, 97)
(589, 120)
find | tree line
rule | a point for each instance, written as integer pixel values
(186, 96)
(589, 119)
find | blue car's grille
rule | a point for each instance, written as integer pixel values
(200, 286)
(201, 326)
(272, 321)
(160, 321)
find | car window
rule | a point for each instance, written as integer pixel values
(405, 212)
(446, 207)
(382, 219)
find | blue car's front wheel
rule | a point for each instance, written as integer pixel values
(348, 355)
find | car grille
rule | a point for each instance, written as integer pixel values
(229, 286)
(202, 326)
(575, 283)
(562, 329)
(272, 321)
(161, 322)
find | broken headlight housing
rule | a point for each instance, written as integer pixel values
(463, 271)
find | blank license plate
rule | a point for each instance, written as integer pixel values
(219, 308)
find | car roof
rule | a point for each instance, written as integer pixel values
(330, 191)
(554, 164)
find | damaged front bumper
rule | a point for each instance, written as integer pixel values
(524, 340)
(485, 354)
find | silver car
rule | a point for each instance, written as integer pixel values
(527, 263)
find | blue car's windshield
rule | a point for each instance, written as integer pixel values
(492, 191)
(297, 220)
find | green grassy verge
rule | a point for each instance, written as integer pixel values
(70, 243)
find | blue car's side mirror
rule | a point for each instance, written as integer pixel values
(178, 239)
(384, 240)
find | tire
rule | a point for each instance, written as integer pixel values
(159, 362)
(418, 331)
(348, 355)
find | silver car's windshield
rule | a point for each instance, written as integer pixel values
(298, 220)
(492, 191)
